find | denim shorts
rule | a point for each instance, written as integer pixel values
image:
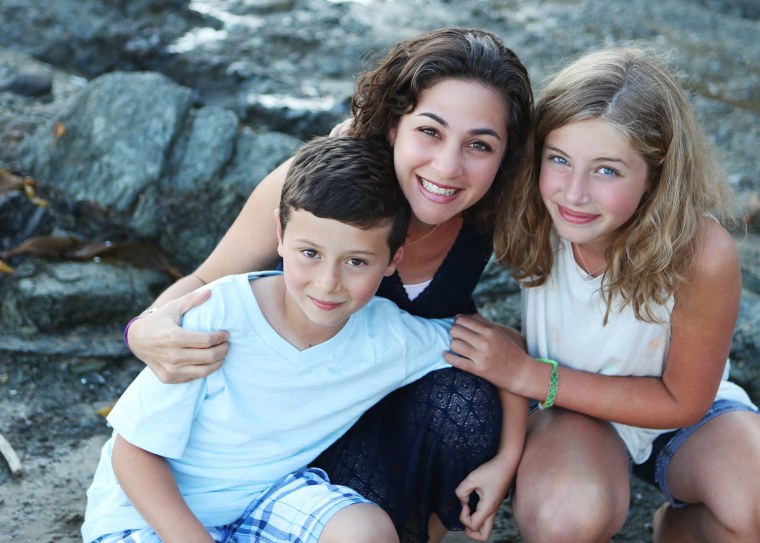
(294, 509)
(655, 468)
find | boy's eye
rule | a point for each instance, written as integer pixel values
(309, 253)
(355, 262)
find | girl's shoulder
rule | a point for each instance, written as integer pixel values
(716, 260)
(715, 250)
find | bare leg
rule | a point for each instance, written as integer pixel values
(436, 530)
(572, 483)
(716, 470)
(359, 523)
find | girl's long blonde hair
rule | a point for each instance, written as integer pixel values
(653, 252)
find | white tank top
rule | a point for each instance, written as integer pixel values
(562, 320)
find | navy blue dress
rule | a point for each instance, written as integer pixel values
(410, 452)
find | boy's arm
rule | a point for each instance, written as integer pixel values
(149, 484)
(492, 479)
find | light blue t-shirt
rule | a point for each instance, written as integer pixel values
(270, 410)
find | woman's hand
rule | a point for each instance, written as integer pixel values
(174, 354)
(489, 350)
(490, 482)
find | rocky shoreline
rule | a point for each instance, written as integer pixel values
(132, 132)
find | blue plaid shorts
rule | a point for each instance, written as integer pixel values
(295, 510)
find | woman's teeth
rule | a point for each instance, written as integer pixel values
(435, 189)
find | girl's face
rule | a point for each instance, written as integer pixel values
(591, 181)
(448, 149)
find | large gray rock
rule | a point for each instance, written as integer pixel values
(110, 145)
(63, 295)
(132, 146)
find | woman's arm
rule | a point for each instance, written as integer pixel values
(176, 355)
(492, 480)
(702, 326)
(149, 484)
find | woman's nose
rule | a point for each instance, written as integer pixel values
(448, 162)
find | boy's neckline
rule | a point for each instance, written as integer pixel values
(270, 292)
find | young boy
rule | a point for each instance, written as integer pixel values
(311, 349)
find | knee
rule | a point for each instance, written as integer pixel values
(573, 513)
(743, 521)
(360, 523)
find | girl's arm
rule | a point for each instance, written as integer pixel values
(176, 355)
(491, 481)
(149, 484)
(702, 326)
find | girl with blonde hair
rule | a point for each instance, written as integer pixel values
(631, 291)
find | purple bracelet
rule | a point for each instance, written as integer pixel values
(126, 329)
(133, 319)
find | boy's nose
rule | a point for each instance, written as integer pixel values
(329, 278)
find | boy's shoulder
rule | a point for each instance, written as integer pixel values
(235, 280)
(387, 312)
(229, 303)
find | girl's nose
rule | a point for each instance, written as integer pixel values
(577, 189)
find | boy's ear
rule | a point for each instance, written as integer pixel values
(394, 262)
(278, 226)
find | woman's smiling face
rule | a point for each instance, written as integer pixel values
(448, 149)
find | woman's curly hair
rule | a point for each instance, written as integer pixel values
(393, 88)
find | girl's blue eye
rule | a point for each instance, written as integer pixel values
(559, 160)
(604, 170)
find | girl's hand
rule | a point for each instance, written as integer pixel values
(174, 354)
(488, 350)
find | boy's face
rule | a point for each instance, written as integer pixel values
(331, 269)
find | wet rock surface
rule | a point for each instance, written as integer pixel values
(147, 124)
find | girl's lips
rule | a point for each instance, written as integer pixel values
(575, 217)
(435, 192)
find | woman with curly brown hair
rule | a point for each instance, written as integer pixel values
(457, 106)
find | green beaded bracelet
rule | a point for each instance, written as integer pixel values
(546, 404)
